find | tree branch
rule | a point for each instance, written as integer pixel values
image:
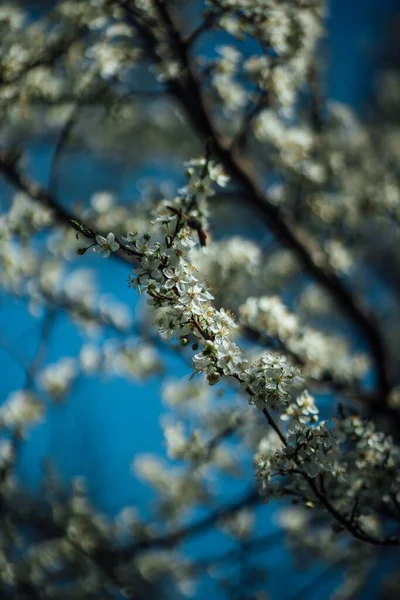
(171, 539)
(43, 196)
(187, 89)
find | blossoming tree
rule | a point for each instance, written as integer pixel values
(286, 330)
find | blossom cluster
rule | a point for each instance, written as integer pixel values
(290, 30)
(309, 448)
(319, 354)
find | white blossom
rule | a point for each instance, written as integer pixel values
(106, 245)
(20, 410)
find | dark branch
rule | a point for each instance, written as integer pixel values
(187, 89)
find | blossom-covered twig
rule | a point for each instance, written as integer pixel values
(188, 91)
(166, 275)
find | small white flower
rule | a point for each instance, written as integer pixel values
(175, 440)
(102, 201)
(20, 410)
(217, 174)
(130, 237)
(106, 245)
(56, 379)
(90, 358)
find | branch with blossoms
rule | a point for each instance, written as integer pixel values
(157, 25)
(109, 244)
(318, 457)
(139, 248)
(100, 243)
(23, 405)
